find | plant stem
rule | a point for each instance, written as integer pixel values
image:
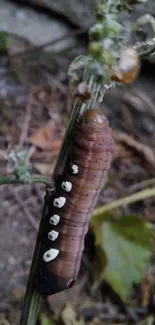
(13, 179)
(64, 145)
(32, 298)
(32, 303)
(94, 87)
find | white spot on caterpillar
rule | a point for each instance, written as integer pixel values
(53, 235)
(67, 186)
(54, 220)
(50, 255)
(59, 202)
(75, 169)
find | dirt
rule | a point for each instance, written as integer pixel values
(17, 235)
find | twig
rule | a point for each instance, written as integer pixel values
(147, 52)
(29, 217)
(32, 298)
(25, 127)
(38, 192)
(13, 179)
(140, 185)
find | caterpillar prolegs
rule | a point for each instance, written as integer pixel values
(71, 203)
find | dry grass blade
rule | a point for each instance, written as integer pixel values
(124, 201)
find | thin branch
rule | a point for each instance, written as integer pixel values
(147, 52)
(140, 185)
(25, 128)
(29, 217)
(149, 44)
(13, 179)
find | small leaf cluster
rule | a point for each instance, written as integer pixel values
(17, 163)
(107, 36)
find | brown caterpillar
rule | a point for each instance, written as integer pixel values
(72, 202)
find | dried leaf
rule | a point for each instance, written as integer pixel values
(127, 245)
(69, 316)
(18, 293)
(44, 169)
(47, 137)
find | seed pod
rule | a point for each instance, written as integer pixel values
(127, 68)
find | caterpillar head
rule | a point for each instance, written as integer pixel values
(94, 117)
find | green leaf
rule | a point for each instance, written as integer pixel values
(127, 245)
(147, 321)
(45, 320)
(4, 40)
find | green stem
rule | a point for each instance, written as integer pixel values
(32, 298)
(13, 179)
(78, 108)
(40, 179)
(64, 145)
(31, 308)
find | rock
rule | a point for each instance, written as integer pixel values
(35, 27)
(80, 13)
(39, 28)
